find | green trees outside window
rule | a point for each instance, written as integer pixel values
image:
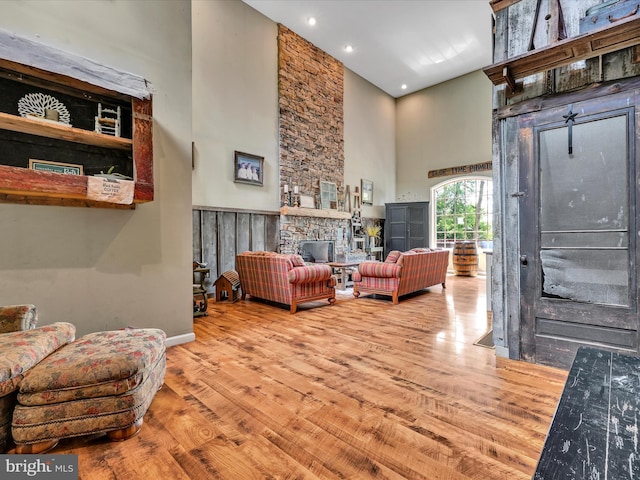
(464, 212)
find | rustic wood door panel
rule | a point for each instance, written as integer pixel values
(577, 223)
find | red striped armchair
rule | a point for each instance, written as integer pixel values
(284, 278)
(402, 273)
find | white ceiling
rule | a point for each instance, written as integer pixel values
(414, 42)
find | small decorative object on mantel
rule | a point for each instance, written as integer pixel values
(287, 196)
(367, 192)
(41, 107)
(296, 196)
(307, 201)
(248, 168)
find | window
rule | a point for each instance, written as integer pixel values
(463, 211)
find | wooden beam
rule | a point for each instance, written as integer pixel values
(509, 79)
(497, 5)
(461, 170)
(61, 202)
(314, 212)
(143, 143)
(67, 83)
(623, 34)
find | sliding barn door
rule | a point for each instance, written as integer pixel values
(578, 230)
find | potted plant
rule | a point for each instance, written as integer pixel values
(373, 232)
(113, 175)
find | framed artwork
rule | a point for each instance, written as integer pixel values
(367, 192)
(248, 168)
(55, 167)
(306, 201)
(328, 195)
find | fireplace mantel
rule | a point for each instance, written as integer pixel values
(314, 212)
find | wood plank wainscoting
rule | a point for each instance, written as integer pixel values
(362, 389)
(219, 234)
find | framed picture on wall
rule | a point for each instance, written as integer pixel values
(328, 195)
(248, 168)
(367, 192)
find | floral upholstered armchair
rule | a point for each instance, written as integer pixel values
(22, 346)
(17, 317)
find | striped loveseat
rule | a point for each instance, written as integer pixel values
(284, 278)
(402, 273)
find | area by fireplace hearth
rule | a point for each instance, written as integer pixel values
(317, 251)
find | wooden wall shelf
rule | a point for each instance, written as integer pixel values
(314, 212)
(26, 186)
(20, 185)
(60, 132)
(622, 34)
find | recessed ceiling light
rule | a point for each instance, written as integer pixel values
(311, 21)
(404, 86)
(348, 48)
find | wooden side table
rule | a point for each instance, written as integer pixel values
(200, 291)
(375, 251)
(343, 270)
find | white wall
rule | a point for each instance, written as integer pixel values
(443, 126)
(235, 103)
(101, 268)
(369, 141)
(235, 107)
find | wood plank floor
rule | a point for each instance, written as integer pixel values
(362, 389)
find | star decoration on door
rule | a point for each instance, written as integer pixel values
(570, 119)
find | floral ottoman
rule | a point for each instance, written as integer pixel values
(102, 382)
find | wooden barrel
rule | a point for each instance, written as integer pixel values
(465, 259)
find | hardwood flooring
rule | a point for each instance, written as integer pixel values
(362, 389)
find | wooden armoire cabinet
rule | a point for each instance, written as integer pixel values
(406, 226)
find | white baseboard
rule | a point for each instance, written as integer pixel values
(180, 339)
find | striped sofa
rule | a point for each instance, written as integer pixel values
(402, 273)
(284, 278)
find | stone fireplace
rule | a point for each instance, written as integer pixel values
(300, 225)
(311, 131)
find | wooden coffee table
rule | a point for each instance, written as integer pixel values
(343, 269)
